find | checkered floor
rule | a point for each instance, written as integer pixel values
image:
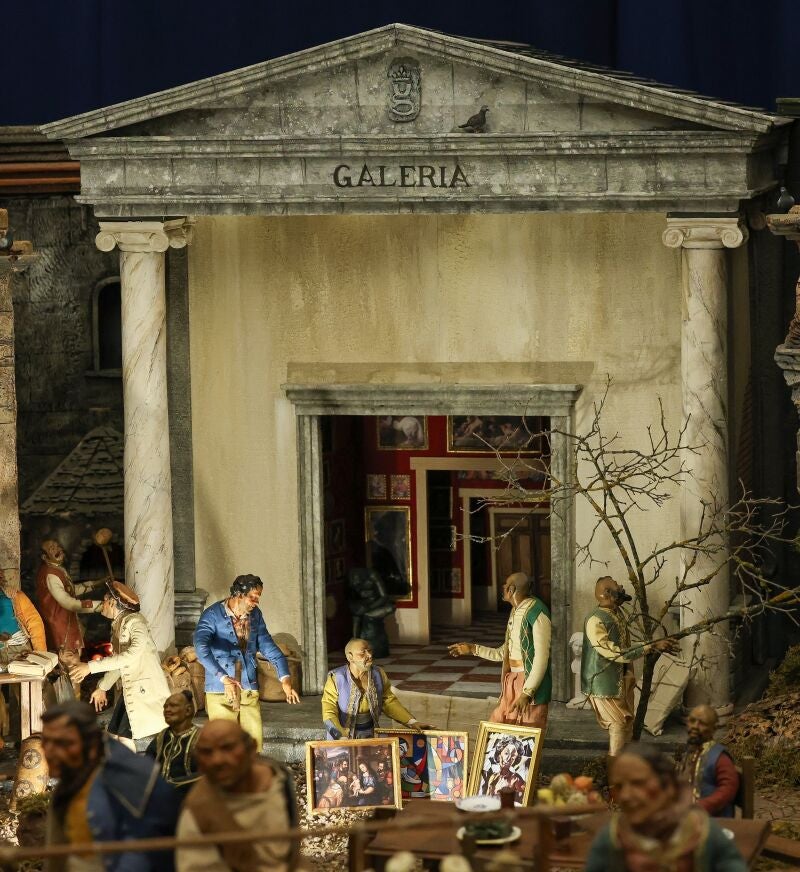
(430, 669)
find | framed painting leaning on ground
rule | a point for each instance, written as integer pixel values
(433, 763)
(506, 756)
(353, 773)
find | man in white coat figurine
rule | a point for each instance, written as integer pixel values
(134, 666)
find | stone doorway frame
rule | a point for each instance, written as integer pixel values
(312, 401)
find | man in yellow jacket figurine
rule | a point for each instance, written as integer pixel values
(356, 694)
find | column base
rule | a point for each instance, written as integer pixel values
(189, 606)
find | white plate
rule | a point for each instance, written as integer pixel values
(479, 803)
(515, 833)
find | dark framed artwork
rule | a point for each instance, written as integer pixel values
(402, 432)
(492, 434)
(446, 581)
(387, 531)
(434, 764)
(353, 773)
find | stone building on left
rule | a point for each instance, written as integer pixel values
(60, 348)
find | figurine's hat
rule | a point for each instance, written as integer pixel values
(125, 596)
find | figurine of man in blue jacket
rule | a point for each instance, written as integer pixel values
(229, 634)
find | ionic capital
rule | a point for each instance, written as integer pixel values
(144, 236)
(711, 232)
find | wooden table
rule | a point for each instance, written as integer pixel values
(30, 702)
(434, 844)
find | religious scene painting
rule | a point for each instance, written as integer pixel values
(401, 487)
(405, 432)
(376, 487)
(433, 764)
(388, 534)
(506, 756)
(353, 773)
(495, 433)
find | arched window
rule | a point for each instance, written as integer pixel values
(107, 324)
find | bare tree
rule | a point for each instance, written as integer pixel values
(619, 484)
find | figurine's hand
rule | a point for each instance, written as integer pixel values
(229, 686)
(520, 703)
(88, 604)
(460, 649)
(292, 697)
(671, 646)
(99, 699)
(421, 726)
(79, 671)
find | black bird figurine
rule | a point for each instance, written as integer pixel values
(477, 123)
(785, 201)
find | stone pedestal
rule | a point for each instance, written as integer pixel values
(704, 388)
(148, 498)
(189, 606)
(787, 355)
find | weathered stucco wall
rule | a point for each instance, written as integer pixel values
(386, 298)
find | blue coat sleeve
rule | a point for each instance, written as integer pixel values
(203, 635)
(267, 648)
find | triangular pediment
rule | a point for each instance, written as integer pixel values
(403, 80)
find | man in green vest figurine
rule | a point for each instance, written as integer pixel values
(607, 676)
(526, 681)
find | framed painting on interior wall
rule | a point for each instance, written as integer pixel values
(387, 531)
(402, 432)
(376, 487)
(506, 756)
(400, 487)
(434, 764)
(491, 434)
(335, 539)
(445, 581)
(353, 773)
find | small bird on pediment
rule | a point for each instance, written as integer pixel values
(477, 123)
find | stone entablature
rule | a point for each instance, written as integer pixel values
(560, 136)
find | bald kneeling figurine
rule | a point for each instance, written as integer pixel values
(707, 765)
(526, 682)
(238, 790)
(356, 694)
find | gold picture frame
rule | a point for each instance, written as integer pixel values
(461, 777)
(513, 754)
(401, 433)
(387, 533)
(519, 435)
(346, 756)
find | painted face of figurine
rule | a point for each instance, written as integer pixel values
(610, 594)
(701, 724)
(250, 600)
(178, 711)
(639, 790)
(63, 747)
(360, 658)
(53, 551)
(224, 754)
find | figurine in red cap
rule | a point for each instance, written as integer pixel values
(134, 666)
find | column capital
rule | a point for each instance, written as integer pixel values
(144, 236)
(705, 232)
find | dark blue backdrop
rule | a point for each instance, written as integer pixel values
(60, 59)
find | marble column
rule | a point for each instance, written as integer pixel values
(148, 494)
(704, 388)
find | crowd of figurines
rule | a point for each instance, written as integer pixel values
(151, 771)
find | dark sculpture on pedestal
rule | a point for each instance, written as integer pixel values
(370, 604)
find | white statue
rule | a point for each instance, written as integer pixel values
(576, 646)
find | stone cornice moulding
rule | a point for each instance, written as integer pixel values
(705, 232)
(145, 236)
(627, 144)
(589, 82)
(432, 399)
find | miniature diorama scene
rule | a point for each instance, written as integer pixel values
(398, 444)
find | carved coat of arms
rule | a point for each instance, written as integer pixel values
(404, 89)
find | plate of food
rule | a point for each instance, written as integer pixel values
(491, 833)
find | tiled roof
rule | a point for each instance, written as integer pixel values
(87, 482)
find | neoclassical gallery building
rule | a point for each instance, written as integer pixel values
(332, 263)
